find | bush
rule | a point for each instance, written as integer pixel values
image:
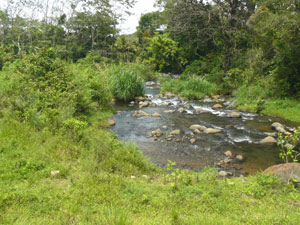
(126, 83)
(42, 90)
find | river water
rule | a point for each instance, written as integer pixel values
(241, 135)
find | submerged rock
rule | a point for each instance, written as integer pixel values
(157, 133)
(176, 132)
(268, 140)
(140, 113)
(212, 131)
(199, 110)
(234, 115)
(169, 111)
(240, 158)
(193, 140)
(156, 114)
(228, 154)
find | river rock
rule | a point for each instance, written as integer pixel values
(212, 131)
(140, 113)
(217, 106)
(197, 131)
(188, 106)
(150, 83)
(156, 114)
(169, 111)
(157, 133)
(207, 100)
(131, 103)
(199, 110)
(285, 171)
(276, 124)
(144, 104)
(234, 115)
(175, 132)
(111, 122)
(197, 126)
(140, 98)
(169, 95)
(240, 158)
(282, 130)
(181, 110)
(153, 104)
(193, 140)
(268, 140)
(164, 127)
(222, 173)
(228, 154)
(229, 126)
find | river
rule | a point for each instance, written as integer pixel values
(241, 135)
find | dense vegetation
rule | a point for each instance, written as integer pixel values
(59, 79)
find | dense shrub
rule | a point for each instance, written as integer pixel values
(126, 83)
(42, 90)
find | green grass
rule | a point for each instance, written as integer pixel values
(192, 88)
(94, 185)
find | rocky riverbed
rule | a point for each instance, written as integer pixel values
(195, 134)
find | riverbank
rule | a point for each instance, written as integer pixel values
(197, 88)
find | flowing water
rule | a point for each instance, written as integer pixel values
(241, 135)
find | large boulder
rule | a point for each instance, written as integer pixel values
(287, 172)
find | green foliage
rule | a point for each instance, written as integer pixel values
(193, 87)
(289, 146)
(126, 83)
(164, 54)
(42, 90)
(177, 176)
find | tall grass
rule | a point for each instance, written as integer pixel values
(126, 83)
(193, 87)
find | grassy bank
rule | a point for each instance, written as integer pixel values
(94, 185)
